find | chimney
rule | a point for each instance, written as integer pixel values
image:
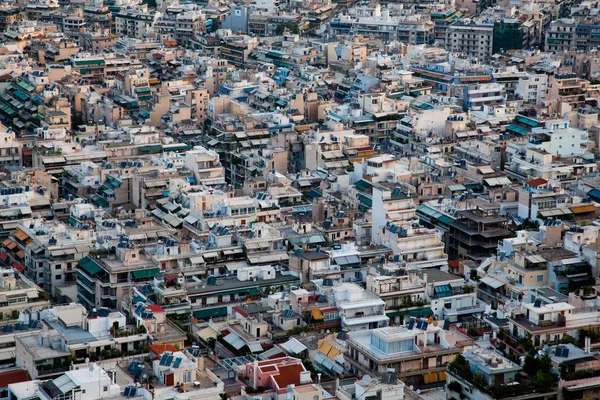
(255, 372)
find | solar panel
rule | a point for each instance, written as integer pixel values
(537, 303)
(411, 324)
(424, 325)
(127, 392)
(558, 352)
(169, 360)
(163, 359)
(132, 392)
(565, 352)
(177, 363)
(288, 314)
(139, 309)
(446, 324)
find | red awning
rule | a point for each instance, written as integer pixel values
(3, 256)
(17, 266)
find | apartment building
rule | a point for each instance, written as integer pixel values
(134, 23)
(412, 351)
(473, 38)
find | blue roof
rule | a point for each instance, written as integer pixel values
(595, 194)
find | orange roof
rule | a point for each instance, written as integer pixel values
(537, 182)
(583, 208)
(158, 349)
(288, 375)
(240, 311)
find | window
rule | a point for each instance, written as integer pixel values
(58, 277)
(540, 278)
(187, 376)
(105, 388)
(57, 266)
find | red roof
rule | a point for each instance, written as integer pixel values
(158, 349)
(453, 263)
(240, 311)
(537, 182)
(155, 308)
(15, 376)
(288, 375)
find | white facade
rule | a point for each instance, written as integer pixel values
(533, 88)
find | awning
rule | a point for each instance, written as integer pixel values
(502, 181)
(207, 333)
(293, 346)
(594, 194)
(317, 315)
(3, 256)
(235, 340)
(555, 212)
(421, 312)
(255, 347)
(89, 266)
(145, 273)
(20, 254)
(17, 266)
(9, 244)
(583, 209)
(151, 147)
(491, 282)
(210, 313)
(456, 188)
(22, 236)
(442, 291)
(399, 313)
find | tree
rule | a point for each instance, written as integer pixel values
(291, 26)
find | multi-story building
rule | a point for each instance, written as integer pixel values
(134, 23)
(487, 94)
(476, 231)
(532, 88)
(560, 35)
(411, 351)
(473, 38)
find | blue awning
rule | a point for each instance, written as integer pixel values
(191, 179)
(224, 90)
(517, 129)
(594, 194)
(38, 99)
(249, 89)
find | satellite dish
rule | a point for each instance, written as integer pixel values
(87, 360)
(366, 380)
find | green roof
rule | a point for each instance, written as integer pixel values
(400, 313)
(145, 273)
(88, 62)
(421, 312)
(151, 147)
(99, 201)
(26, 86)
(210, 313)
(312, 239)
(89, 265)
(20, 95)
(144, 89)
(178, 146)
(362, 185)
(517, 129)
(527, 121)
